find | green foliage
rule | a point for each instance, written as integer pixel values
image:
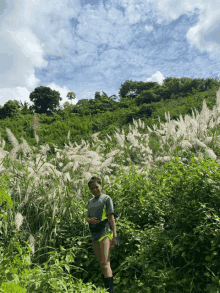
(11, 288)
(44, 98)
(71, 96)
(53, 276)
(131, 88)
(147, 97)
(91, 115)
(5, 199)
(10, 109)
(169, 227)
(168, 221)
(19, 274)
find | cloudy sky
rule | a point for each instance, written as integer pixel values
(84, 46)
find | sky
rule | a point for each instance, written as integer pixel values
(88, 46)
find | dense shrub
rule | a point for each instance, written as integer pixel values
(170, 228)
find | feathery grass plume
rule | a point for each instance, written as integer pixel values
(13, 153)
(2, 142)
(205, 113)
(163, 159)
(44, 149)
(208, 139)
(210, 153)
(12, 138)
(149, 129)
(25, 146)
(31, 241)
(112, 153)
(36, 137)
(130, 137)
(35, 124)
(106, 163)
(167, 116)
(68, 135)
(216, 109)
(185, 144)
(120, 138)
(3, 154)
(141, 124)
(199, 143)
(67, 176)
(109, 137)
(211, 123)
(18, 220)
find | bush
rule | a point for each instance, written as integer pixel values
(11, 288)
(170, 231)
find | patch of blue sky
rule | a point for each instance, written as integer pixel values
(86, 46)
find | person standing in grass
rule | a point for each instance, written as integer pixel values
(102, 227)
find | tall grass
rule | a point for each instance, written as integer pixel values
(50, 195)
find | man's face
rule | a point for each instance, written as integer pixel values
(96, 189)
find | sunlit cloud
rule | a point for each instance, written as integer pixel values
(88, 46)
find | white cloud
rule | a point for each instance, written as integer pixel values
(148, 28)
(206, 34)
(22, 48)
(156, 77)
(71, 47)
(18, 93)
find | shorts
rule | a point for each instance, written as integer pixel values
(109, 234)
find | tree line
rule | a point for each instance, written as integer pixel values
(131, 92)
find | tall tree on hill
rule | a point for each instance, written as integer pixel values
(44, 98)
(131, 89)
(71, 96)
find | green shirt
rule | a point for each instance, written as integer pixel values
(100, 210)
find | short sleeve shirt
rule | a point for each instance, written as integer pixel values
(100, 210)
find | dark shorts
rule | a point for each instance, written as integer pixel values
(109, 234)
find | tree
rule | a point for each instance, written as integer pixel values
(105, 96)
(71, 96)
(97, 95)
(147, 97)
(24, 107)
(44, 98)
(131, 89)
(10, 109)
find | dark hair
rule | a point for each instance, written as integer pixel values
(94, 179)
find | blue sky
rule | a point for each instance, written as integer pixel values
(85, 46)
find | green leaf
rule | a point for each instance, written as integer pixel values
(207, 258)
(67, 267)
(53, 283)
(201, 237)
(69, 258)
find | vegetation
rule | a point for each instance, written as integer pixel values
(163, 179)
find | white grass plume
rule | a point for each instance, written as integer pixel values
(12, 138)
(32, 242)
(18, 220)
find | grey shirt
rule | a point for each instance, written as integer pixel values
(99, 210)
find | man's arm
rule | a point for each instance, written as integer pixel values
(112, 223)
